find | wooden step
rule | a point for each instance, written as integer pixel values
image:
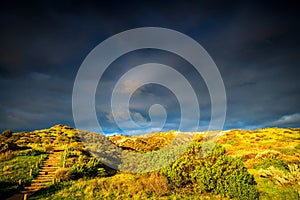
(41, 184)
(49, 171)
(29, 191)
(50, 167)
(42, 180)
(34, 187)
(45, 177)
(46, 173)
(52, 160)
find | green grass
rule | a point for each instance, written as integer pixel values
(256, 142)
(18, 168)
(120, 186)
(15, 164)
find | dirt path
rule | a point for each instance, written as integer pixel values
(45, 177)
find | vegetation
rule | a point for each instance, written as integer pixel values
(22, 155)
(16, 166)
(216, 173)
(245, 164)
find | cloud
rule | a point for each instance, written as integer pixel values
(254, 46)
(40, 76)
(288, 120)
(121, 115)
(128, 86)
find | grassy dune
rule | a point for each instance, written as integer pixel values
(270, 156)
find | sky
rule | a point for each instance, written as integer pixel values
(254, 44)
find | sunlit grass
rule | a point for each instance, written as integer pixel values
(17, 168)
(247, 144)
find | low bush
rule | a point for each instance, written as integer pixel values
(62, 174)
(89, 167)
(268, 162)
(215, 173)
(280, 177)
(31, 152)
(153, 183)
(6, 155)
(268, 154)
(9, 146)
(7, 133)
(48, 148)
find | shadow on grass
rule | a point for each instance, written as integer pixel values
(8, 189)
(48, 192)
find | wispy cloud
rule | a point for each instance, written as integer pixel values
(128, 87)
(255, 46)
(122, 115)
(288, 120)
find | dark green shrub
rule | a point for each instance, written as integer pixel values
(266, 163)
(87, 168)
(216, 173)
(30, 152)
(7, 133)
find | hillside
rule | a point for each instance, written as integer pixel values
(245, 164)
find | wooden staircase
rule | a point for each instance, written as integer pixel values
(45, 177)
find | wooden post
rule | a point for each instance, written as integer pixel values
(30, 172)
(20, 182)
(37, 164)
(25, 196)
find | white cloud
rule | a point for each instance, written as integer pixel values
(141, 131)
(128, 86)
(288, 120)
(122, 115)
(39, 76)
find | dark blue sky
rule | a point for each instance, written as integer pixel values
(255, 45)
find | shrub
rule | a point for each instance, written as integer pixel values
(101, 172)
(268, 162)
(268, 154)
(88, 167)
(7, 133)
(33, 152)
(216, 173)
(62, 174)
(75, 146)
(6, 155)
(279, 177)
(154, 183)
(48, 148)
(8, 146)
(128, 186)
